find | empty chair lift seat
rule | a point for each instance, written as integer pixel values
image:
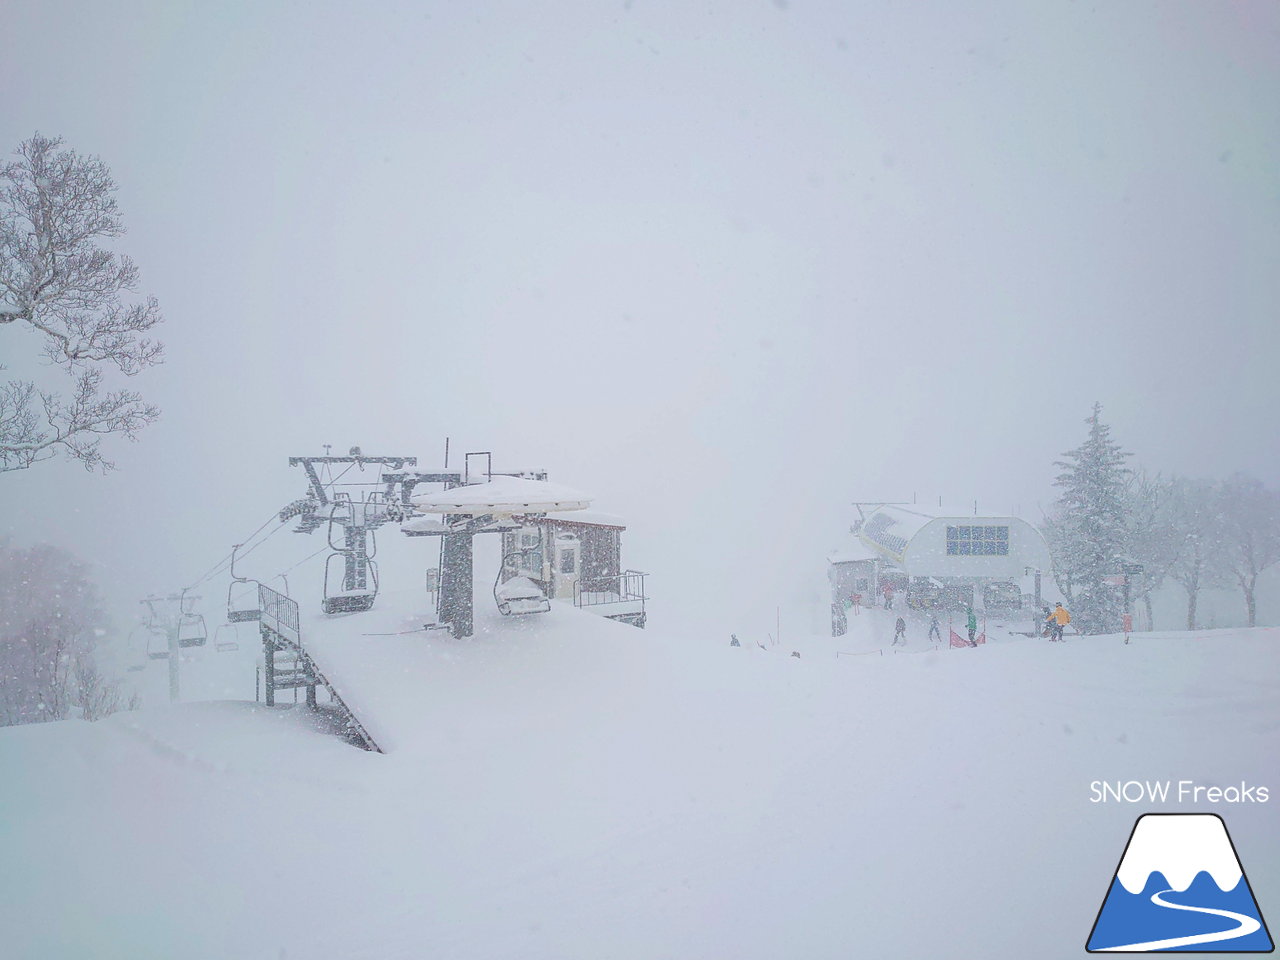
(520, 595)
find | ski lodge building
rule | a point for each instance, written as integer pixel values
(938, 562)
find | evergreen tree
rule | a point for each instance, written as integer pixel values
(1088, 531)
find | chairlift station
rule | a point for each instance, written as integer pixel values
(554, 548)
(936, 560)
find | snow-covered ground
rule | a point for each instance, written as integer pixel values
(564, 786)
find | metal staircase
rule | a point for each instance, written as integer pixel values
(288, 666)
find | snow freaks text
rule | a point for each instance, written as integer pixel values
(1181, 791)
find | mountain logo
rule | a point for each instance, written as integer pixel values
(1179, 888)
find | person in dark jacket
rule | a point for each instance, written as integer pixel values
(900, 630)
(935, 628)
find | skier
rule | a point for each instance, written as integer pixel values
(899, 630)
(972, 624)
(1060, 620)
(733, 640)
(935, 629)
(888, 596)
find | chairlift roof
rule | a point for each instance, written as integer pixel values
(504, 495)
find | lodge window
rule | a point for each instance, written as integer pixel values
(977, 541)
(531, 557)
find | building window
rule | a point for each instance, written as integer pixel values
(977, 541)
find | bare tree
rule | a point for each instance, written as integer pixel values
(1156, 540)
(55, 207)
(95, 695)
(1250, 533)
(49, 611)
(1195, 526)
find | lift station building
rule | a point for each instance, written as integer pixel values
(937, 561)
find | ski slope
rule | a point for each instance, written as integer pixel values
(563, 786)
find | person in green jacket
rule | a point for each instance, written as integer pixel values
(972, 624)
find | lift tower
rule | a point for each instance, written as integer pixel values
(354, 521)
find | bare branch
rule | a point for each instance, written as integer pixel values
(76, 426)
(55, 207)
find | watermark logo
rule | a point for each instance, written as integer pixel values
(1180, 887)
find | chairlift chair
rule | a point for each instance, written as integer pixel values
(519, 595)
(344, 599)
(157, 645)
(137, 649)
(192, 631)
(340, 597)
(242, 606)
(225, 638)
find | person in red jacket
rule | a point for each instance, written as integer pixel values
(887, 590)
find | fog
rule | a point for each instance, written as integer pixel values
(727, 269)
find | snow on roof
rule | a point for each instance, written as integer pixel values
(852, 551)
(503, 495)
(901, 521)
(890, 529)
(595, 518)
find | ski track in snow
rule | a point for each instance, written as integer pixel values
(1247, 926)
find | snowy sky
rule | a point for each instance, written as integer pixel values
(727, 266)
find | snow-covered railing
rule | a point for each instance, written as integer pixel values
(626, 587)
(279, 615)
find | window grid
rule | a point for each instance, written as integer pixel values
(977, 541)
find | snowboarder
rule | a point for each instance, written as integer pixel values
(1060, 620)
(935, 629)
(899, 630)
(888, 596)
(972, 624)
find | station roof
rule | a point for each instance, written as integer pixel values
(503, 495)
(594, 518)
(852, 550)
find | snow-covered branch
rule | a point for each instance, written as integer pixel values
(55, 207)
(35, 425)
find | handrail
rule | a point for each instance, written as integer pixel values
(598, 591)
(279, 615)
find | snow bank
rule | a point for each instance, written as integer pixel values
(564, 786)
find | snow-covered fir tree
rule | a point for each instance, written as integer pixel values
(1088, 530)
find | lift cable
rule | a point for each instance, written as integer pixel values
(226, 561)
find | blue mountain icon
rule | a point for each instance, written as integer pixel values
(1180, 888)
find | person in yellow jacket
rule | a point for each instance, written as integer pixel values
(1058, 621)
